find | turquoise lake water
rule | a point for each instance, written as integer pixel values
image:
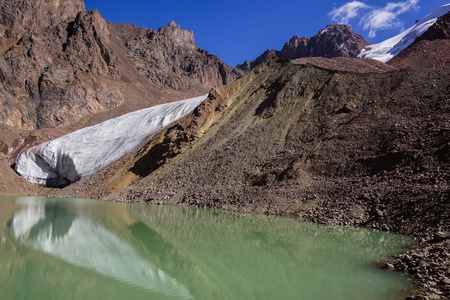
(84, 249)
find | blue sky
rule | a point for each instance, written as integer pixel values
(239, 30)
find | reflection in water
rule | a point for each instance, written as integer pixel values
(80, 241)
(119, 251)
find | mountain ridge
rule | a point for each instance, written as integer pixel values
(61, 63)
(335, 40)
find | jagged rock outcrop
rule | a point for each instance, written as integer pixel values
(170, 57)
(438, 31)
(249, 65)
(60, 63)
(335, 40)
(295, 48)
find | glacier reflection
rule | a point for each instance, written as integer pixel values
(80, 241)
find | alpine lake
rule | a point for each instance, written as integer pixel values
(84, 249)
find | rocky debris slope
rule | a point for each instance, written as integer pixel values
(60, 63)
(367, 148)
(170, 57)
(302, 114)
(389, 48)
(335, 40)
(72, 157)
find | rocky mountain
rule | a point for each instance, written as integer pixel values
(170, 57)
(335, 40)
(60, 63)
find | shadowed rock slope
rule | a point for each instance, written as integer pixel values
(169, 57)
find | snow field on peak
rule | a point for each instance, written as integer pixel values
(81, 153)
(389, 48)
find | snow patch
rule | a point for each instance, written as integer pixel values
(389, 48)
(324, 30)
(84, 152)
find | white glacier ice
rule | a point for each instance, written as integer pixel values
(389, 48)
(81, 153)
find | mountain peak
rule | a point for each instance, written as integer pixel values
(173, 24)
(176, 34)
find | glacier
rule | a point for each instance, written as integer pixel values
(67, 159)
(389, 48)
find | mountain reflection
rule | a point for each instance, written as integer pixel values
(51, 228)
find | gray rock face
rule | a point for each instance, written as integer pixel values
(336, 40)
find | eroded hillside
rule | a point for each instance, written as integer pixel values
(300, 140)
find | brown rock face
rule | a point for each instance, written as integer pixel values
(295, 48)
(439, 30)
(170, 57)
(49, 77)
(336, 40)
(333, 41)
(60, 63)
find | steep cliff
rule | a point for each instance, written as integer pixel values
(60, 63)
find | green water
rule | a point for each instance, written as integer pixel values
(83, 249)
